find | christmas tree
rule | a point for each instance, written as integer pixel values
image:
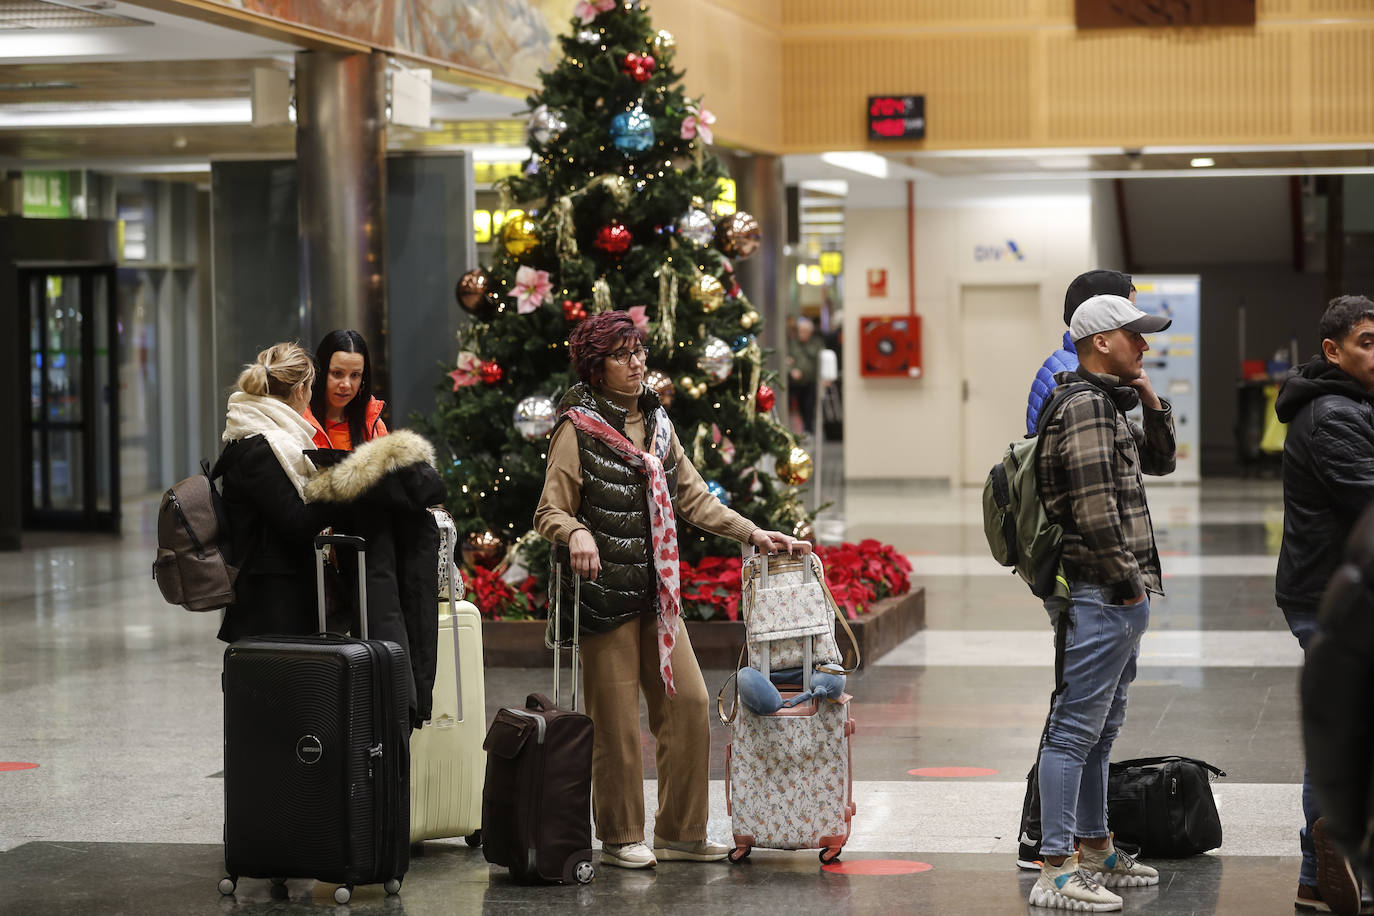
(614, 212)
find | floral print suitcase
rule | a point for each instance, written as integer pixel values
(789, 778)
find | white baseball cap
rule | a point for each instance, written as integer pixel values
(1107, 313)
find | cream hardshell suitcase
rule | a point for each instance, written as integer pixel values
(447, 763)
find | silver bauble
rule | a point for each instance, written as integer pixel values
(535, 416)
(545, 125)
(696, 227)
(716, 360)
(589, 37)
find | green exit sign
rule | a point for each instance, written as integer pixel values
(47, 195)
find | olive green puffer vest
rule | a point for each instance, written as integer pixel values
(615, 509)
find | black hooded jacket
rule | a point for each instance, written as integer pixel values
(383, 491)
(1328, 477)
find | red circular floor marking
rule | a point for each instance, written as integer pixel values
(877, 867)
(6, 766)
(951, 772)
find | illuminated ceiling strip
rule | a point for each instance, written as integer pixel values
(122, 114)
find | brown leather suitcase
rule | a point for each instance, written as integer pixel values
(536, 802)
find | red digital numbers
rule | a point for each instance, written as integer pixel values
(887, 127)
(886, 106)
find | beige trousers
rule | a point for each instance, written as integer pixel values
(617, 666)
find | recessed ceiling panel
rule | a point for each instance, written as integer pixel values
(38, 14)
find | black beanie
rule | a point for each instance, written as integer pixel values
(1095, 283)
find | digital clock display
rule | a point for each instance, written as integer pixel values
(896, 117)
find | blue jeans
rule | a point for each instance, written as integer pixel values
(1304, 627)
(1100, 654)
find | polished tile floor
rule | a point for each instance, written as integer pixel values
(115, 696)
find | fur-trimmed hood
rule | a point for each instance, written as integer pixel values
(401, 464)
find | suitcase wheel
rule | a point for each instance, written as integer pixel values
(279, 882)
(739, 854)
(830, 854)
(474, 839)
(392, 886)
(227, 885)
(343, 894)
(584, 872)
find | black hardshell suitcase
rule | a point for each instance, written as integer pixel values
(536, 801)
(316, 755)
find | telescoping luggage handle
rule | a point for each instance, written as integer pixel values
(558, 631)
(324, 541)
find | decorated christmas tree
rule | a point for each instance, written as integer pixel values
(614, 210)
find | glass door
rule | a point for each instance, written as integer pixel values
(71, 448)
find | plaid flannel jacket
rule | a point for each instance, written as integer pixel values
(1089, 467)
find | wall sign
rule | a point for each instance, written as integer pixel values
(1106, 14)
(877, 282)
(46, 194)
(1008, 251)
(896, 117)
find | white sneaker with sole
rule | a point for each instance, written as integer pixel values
(690, 851)
(1069, 887)
(1111, 867)
(627, 855)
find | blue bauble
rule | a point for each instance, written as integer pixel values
(716, 490)
(741, 343)
(632, 131)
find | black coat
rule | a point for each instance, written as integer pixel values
(272, 531)
(1337, 694)
(382, 491)
(1328, 477)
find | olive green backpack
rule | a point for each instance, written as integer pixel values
(1019, 533)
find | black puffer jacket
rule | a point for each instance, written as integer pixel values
(382, 491)
(1337, 694)
(272, 535)
(1328, 477)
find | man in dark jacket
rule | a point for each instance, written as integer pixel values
(1328, 481)
(1084, 286)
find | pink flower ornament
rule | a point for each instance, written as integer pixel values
(587, 10)
(532, 287)
(469, 371)
(698, 124)
(639, 314)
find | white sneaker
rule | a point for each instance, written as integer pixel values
(1069, 887)
(627, 855)
(690, 851)
(1111, 867)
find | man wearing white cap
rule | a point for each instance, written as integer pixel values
(1089, 467)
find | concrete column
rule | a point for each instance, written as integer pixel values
(760, 193)
(341, 170)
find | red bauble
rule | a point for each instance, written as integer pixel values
(614, 239)
(573, 311)
(491, 372)
(639, 66)
(765, 399)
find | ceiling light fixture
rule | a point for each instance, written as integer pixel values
(121, 114)
(863, 163)
(1202, 162)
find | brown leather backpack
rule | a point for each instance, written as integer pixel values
(191, 568)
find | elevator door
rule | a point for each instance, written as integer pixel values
(71, 436)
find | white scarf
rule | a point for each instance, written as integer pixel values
(288, 433)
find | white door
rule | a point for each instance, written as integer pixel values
(1002, 349)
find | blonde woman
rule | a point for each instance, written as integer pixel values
(265, 470)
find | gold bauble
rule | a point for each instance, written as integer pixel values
(663, 44)
(661, 385)
(520, 236)
(795, 469)
(708, 293)
(749, 319)
(484, 549)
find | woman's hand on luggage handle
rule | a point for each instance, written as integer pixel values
(777, 542)
(583, 555)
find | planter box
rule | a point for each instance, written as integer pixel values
(520, 643)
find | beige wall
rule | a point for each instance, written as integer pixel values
(911, 429)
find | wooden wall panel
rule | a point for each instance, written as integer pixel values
(1342, 82)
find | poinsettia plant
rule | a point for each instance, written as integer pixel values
(858, 575)
(498, 599)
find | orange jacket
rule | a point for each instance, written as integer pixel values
(338, 436)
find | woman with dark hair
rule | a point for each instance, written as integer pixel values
(616, 481)
(342, 408)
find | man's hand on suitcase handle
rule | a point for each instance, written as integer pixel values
(583, 555)
(777, 542)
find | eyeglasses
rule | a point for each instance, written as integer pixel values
(623, 356)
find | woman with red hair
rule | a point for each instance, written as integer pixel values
(616, 482)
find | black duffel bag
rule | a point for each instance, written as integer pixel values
(1164, 805)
